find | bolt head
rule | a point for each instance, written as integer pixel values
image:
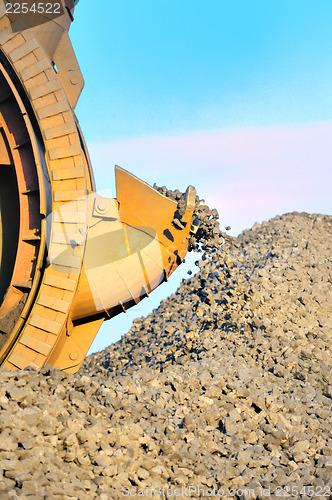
(102, 206)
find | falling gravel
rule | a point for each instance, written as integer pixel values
(223, 390)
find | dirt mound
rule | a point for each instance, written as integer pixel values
(225, 386)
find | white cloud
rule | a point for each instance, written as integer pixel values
(248, 174)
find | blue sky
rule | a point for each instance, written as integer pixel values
(233, 97)
(178, 65)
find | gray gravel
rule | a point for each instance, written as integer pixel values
(226, 385)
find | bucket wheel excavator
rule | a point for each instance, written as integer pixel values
(69, 258)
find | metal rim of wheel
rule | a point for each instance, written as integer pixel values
(58, 171)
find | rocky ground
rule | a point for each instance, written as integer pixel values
(224, 390)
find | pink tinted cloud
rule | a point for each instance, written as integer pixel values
(248, 174)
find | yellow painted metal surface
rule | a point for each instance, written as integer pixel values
(132, 246)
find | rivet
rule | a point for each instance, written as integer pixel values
(73, 356)
(102, 206)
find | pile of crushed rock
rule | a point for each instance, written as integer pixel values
(223, 390)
